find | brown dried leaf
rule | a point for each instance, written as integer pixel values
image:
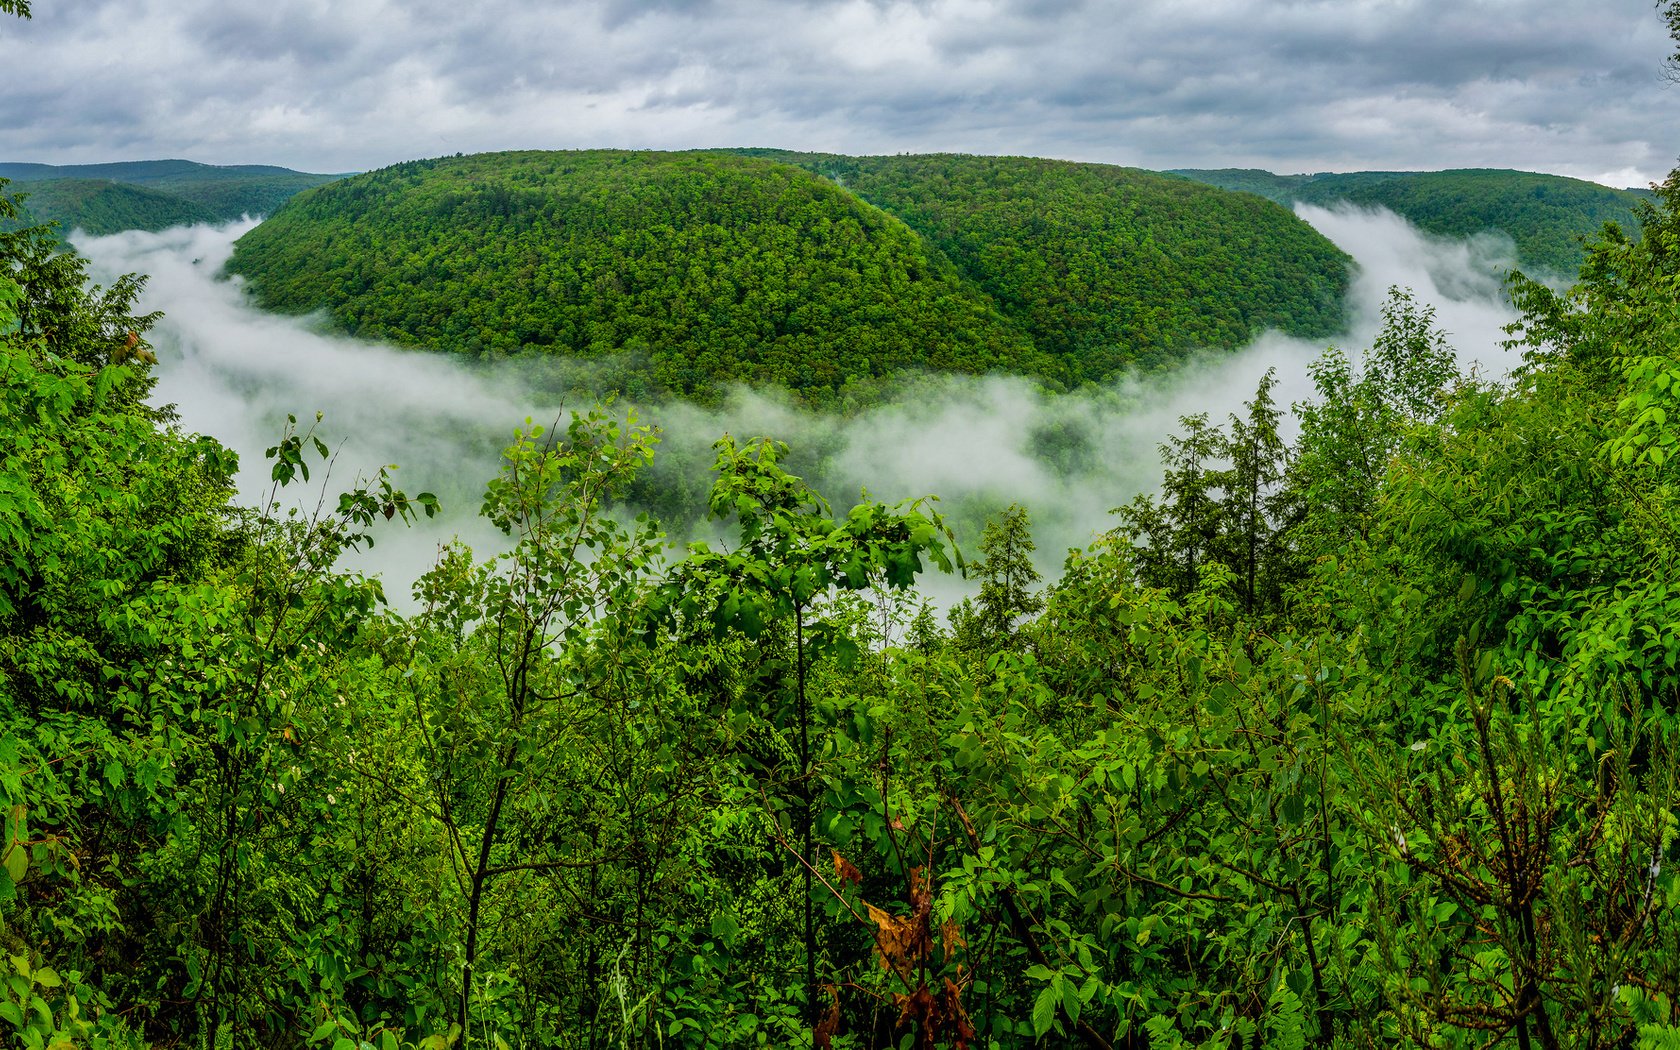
(845, 870)
(921, 913)
(961, 1030)
(896, 940)
(950, 935)
(823, 1034)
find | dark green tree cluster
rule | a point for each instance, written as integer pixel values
(1109, 267)
(686, 271)
(683, 272)
(1547, 216)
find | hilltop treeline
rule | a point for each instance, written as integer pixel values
(690, 271)
(1362, 738)
(1548, 217)
(102, 199)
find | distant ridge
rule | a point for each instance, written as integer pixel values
(1546, 216)
(152, 194)
(818, 273)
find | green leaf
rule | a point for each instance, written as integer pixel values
(16, 862)
(1044, 1011)
(1069, 996)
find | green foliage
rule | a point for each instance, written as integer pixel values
(1007, 578)
(1365, 738)
(1549, 217)
(681, 273)
(1224, 499)
(100, 208)
(1107, 267)
(149, 195)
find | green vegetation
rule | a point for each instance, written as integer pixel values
(150, 195)
(713, 267)
(1547, 216)
(684, 270)
(1107, 266)
(101, 208)
(1367, 738)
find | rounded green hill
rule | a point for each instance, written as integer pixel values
(690, 271)
(1107, 267)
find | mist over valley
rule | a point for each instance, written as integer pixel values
(979, 443)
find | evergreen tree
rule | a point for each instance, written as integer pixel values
(1007, 581)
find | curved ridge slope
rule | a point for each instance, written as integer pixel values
(1107, 266)
(709, 268)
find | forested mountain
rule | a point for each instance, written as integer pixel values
(717, 267)
(1547, 216)
(150, 195)
(687, 270)
(1107, 266)
(100, 207)
(1367, 738)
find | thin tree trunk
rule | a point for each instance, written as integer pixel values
(811, 1005)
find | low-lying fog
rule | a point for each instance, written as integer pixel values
(235, 373)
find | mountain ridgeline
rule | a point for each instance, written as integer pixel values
(102, 199)
(1547, 216)
(825, 275)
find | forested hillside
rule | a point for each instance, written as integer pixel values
(713, 267)
(150, 195)
(683, 271)
(1106, 266)
(1547, 216)
(100, 207)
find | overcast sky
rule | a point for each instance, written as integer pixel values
(1573, 87)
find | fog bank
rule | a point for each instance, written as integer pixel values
(978, 443)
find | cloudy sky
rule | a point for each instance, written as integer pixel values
(1574, 87)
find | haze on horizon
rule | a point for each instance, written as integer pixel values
(1572, 87)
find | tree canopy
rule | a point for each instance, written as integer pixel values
(1547, 217)
(683, 272)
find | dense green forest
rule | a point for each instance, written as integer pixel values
(691, 270)
(149, 195)
(1547, 216)
(1365, 738)
(1105, 266)
(100, 207)
(681, 271)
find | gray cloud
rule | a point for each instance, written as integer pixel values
(1571, 86)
